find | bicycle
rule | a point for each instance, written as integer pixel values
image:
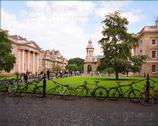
(14, 91)
(62, 90)
(148, 99)
(115, 93)
(32, 88)
(3, 88)
(98, 91)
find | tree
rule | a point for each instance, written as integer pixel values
(117, 43)
(136, 63)
(75, 64)
(72, 67)
(7, 59)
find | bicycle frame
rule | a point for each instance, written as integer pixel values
(85, 85)
(123, 92)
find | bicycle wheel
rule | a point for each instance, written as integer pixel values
(69, 94)
(23, 91)
(100, 93)
(113, 94)
(134, 95)
(54, 91)
(3, 90)
(13, 91)
(39, 91)
(144, 100)
(81, 91)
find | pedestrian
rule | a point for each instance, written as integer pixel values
(25, 78)
(61, 74)
(48, 74)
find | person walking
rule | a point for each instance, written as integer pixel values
(48, 74)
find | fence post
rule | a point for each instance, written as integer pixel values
(17, 77)
(147, 86)
(44, 86)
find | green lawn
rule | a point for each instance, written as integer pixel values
(106, 82)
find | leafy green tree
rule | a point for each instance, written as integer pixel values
(72, 67)
(117, 43)
(136, 63)
(7, 59)
(75, 64)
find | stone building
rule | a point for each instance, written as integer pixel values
(90, 63)
(53, 60)
(27, 55)
(31, 58)
(148, 45)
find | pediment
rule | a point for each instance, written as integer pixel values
(33, 44)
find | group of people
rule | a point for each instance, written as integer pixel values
(61, 74)
(48, 74)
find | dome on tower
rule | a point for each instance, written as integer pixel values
(90, 46)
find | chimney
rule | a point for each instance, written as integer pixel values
(157, 23)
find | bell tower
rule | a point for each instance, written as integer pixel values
(89, 64)
(90, 50)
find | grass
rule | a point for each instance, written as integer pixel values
(104, 81)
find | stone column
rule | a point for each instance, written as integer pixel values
(23, 60)
(19, 61)
(33, 62)
(28, 61)
(37, 62)
(85, 68)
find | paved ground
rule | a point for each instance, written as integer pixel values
(80, 112)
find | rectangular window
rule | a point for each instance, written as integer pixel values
(153, 68)
(153, 42)
(154, 54)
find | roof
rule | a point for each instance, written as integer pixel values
(150, 28)
(23, 41)
(16, 37)
(90, 46)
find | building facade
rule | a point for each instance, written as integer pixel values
(90, 63)
(148, 45)
(31, 58)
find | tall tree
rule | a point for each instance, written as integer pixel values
(75, 64)
(116, 43)
(7, 59)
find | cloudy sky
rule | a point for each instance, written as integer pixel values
(68, 25)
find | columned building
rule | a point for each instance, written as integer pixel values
(27, 55)
(90, 62)
(31, 58)
(148, 45)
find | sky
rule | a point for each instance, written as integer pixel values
(67, 26)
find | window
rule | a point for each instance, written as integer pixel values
(153, 68)
(140, 43)
(141, 52)
(154, 54)
(153, 42)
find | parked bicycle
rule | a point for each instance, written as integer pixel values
(62, 90)
(32, 88)
(97, 91)
(3, 89)
(14, 90)
(115, 93)
(150, 98)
